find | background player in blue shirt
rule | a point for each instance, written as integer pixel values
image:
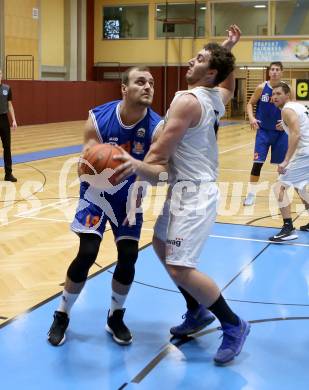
(267, 122)
(131, 124)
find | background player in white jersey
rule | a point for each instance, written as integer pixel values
(294, 170)
(188, 148)
(269, 131)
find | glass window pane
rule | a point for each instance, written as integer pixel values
(184, 16)
(250, 16)
(129, 22)
(292, 17)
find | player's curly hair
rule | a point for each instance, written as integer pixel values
(221, 59)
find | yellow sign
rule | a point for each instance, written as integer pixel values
(302, 89)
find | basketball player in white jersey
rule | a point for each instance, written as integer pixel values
(294, 170)
(187, 148)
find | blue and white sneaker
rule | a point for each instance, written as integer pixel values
(234, 337)
(194, 321)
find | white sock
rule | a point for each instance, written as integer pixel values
(67, 300)
(252, 187)
(117, 302)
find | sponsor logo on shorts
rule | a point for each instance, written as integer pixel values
(176, 242)
(256, 156)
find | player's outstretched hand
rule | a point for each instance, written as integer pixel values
(233, 36)
(127, 167)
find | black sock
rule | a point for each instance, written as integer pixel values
(192, 303)
(223, 312)
(288, 221)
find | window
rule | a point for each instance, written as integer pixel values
(125, 22)
(292, 17)
(251, 16)
(181, 20)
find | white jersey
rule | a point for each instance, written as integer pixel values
(303, 118)
(196, 155)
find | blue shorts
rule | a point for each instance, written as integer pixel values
(91, 216)
(277, 140)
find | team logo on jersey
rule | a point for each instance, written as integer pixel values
(138, 147)
(141, 132)
(5, 92)
(265, 98)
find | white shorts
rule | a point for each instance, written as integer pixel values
(187, 218)
(297, 172)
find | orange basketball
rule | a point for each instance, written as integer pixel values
(99, 157)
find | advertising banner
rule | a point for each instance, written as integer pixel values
(284, 51)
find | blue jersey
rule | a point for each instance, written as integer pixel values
(266, 111)
(96, 207)
(135, 139)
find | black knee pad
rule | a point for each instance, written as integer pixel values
(127, 256)
(88, 250)
(256, 169)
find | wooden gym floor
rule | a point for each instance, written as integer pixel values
(36, 243)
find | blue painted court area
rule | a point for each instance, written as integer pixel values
(264, 283)
(44, 154)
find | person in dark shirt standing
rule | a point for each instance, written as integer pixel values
(6, 107)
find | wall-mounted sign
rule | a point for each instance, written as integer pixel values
(284, 51)
(302, 89)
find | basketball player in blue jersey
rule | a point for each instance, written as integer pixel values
(270, 132)
(131, 124)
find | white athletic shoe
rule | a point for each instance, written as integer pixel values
(249, 200)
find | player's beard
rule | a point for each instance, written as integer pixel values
(145, 102)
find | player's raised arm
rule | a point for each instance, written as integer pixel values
(227, 87)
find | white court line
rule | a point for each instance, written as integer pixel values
(45, 219)
(256, 240)
(24, 213)
(235, 148)
(250, 239)
(211, 235)
(19, 217)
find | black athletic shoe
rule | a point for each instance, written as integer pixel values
(116, 326)
(287, 233)
(56, 334)
(305, 228)
(10, 177)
